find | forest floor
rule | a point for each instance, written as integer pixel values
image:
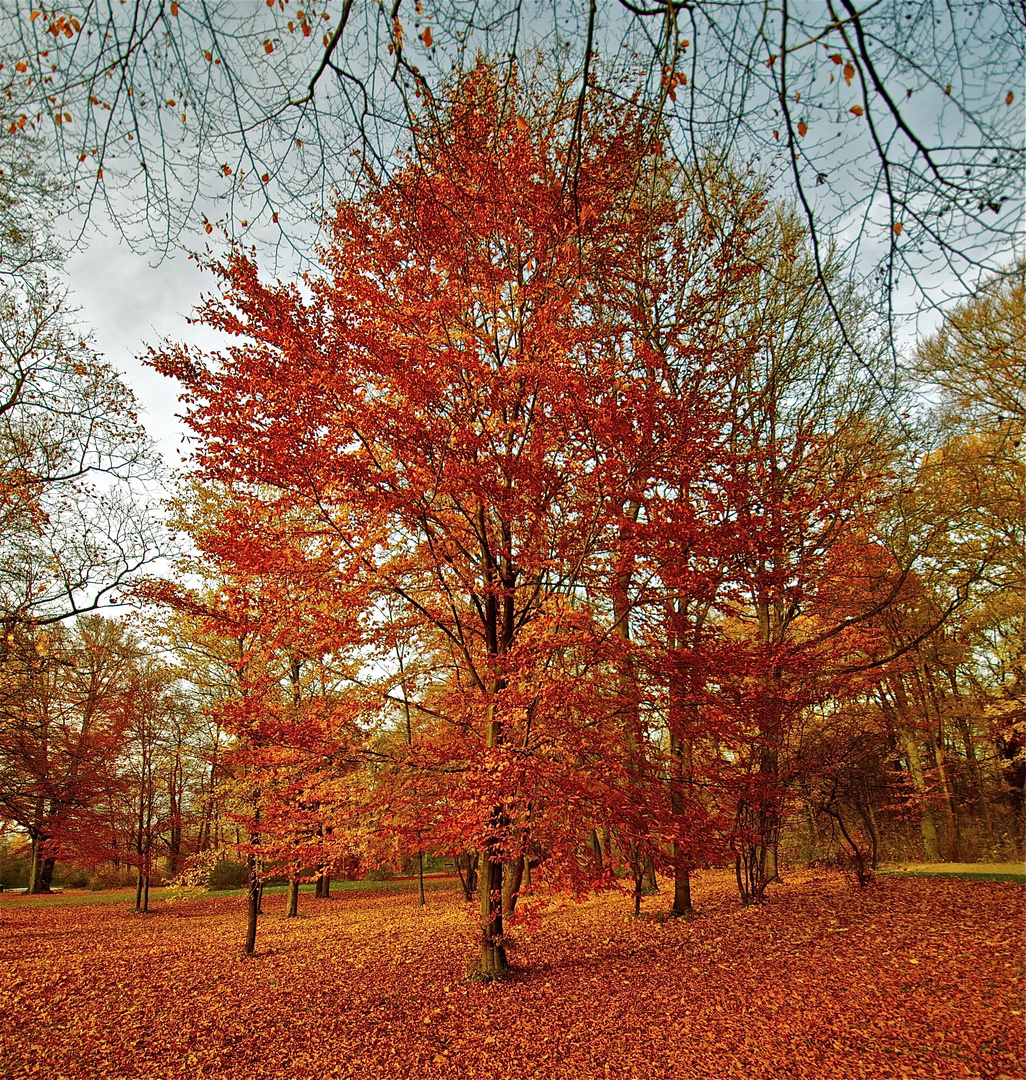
(913, 977)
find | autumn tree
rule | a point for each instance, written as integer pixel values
(450, 417)
(61, 752)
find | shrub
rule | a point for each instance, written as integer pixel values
(71, 877)
(228, 875)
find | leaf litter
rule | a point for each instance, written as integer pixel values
(911, 978)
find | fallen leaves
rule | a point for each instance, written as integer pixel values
(924, 980)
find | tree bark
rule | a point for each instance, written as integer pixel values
(253, 908)
(927, 828)
(46, 874)
(293, 907)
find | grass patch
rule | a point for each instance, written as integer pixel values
(89, 897)
(958, 875)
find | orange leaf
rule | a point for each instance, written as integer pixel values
(802, 128)
(99, 174)
(426, 37)
(856, 109)
(1010, 98)
(947, 89)
(208, 227)
(849, 73)
(265, 178)
(769, 62)
(19, 66)
(836, 58)
(171, 102)
(776, 135)
(174, 10)
(268, 47)
(521, 124)
(897, 228)
(34, 16)
(208, 55)
(306, 28)
(274, 218)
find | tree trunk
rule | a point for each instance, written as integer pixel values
(34, 866)
(954, 839)
(420, 877)
(293, 907)
(493, 963)
(681, 884)
(512, 876)
(927, 828)
(46, 874)
(253, 909)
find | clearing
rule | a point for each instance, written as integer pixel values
(914, 977)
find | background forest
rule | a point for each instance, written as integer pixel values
(554, 528)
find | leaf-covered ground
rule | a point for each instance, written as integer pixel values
(912, 978)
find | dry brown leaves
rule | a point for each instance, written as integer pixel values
(913, 978)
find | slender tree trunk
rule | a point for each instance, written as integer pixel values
(927, 828)
(34, 865)
(253, 908)
(420, 876)
(954, 838)
(493, 963)
(910, 746)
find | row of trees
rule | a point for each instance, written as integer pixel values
(552, 520)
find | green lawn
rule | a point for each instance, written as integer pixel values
(960, 871)
(127, 895)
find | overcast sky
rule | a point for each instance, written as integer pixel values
(129, 305)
